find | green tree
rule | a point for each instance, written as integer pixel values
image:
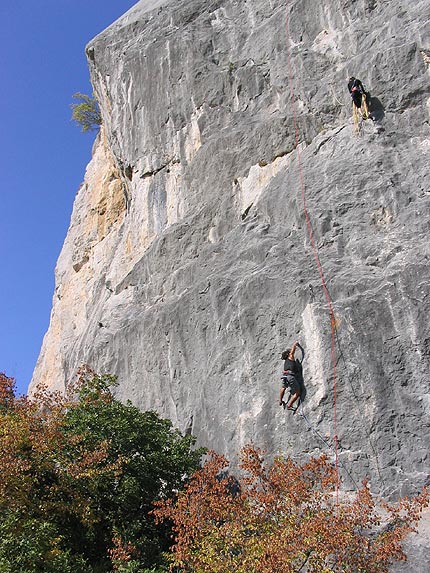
(155, 460)
(29, 545)
(86, 113)
(78, 476)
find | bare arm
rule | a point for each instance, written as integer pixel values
(293, 350)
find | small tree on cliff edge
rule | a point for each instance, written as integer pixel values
(86, 113)
(282, 518)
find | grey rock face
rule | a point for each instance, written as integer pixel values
(205, 272)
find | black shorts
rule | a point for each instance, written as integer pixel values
(356, 98)
(289, 381)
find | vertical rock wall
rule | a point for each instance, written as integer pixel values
(187, 267)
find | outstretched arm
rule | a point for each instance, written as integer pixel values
(293, 349)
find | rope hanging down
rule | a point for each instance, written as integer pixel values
(315, 250)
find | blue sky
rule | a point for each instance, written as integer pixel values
(43, 156)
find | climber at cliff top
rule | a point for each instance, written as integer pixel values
(291, 376)
(358, 94)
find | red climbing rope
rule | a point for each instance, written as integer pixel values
(315, 252)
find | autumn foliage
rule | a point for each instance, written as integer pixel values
(80, 476)
(282, 517)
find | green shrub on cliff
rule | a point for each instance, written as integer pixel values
(86, 113)
(78, 478)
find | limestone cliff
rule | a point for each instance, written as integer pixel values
(187, 267)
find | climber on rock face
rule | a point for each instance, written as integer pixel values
(356, 89)
(291, 376)
(358, 94)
